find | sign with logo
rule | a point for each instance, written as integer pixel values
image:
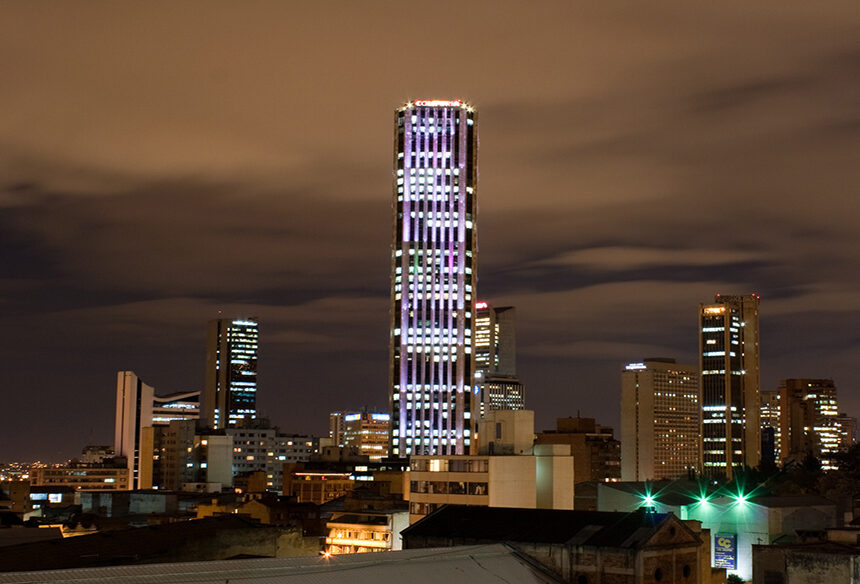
(438, 103)
(726, 551)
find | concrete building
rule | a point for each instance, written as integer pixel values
(96, 476)
(508, 471)
(433, 278)
(730, 384)
(137, 407)
(834, 558)
(596, 453)
(809, 420)
(771, 425)
(736, 520)
(338, 472)
(183, 458)
(358, 532)
(365, 430)
(495, 346)
(847, 430)
(265, 448)
(230, 392)
(659, 420)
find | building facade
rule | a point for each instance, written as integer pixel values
(596, 452)
(230, 394)
(137, 407)
(730, 384)
(659, 420)
(495, 346)
(808, 420)
(433, 278)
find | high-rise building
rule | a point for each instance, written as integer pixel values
(433, 278)
(137, 407)
(495, 339)
(230, 394)
(729, 364)
(365, 430)
(808, 422)
(771, 426)
(659, 420)
(495, 345)
(847, 430)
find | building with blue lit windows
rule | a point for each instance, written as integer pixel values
(230, 394)
(729, 364)
(433, 278)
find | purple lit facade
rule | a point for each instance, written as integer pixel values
(433, 278)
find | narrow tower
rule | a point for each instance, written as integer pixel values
(729, 364)
(433, 278)
(230, 395)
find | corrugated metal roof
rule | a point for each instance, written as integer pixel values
(489, 564)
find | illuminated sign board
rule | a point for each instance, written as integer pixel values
(636, 367)
(715, 309)
(438, 103)
(726, 551)
(380, 417)
(480, 305)
(351, 417)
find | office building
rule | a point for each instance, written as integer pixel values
(808, 420)
(230, 394)
(771, 426)
(433, 278)
(183, 459)
(847, 430)
(266, 449)
(596, 452)
(729, 366)
(367, 432)
(111, 475)
(659, 420)
(495, 339)
(495, 345)
(137, 407)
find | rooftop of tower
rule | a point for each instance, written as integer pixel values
(437, 103)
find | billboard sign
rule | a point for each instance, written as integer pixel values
(726, 551)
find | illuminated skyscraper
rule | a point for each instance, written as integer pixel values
(495, 345)
(729, 364)
(659, 420)
(808, 420)
(433, 278)
(230, 395)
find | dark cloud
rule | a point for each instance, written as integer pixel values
(160, 165)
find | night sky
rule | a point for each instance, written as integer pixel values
(162, 162)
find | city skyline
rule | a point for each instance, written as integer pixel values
(152, 174)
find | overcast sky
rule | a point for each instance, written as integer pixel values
(162, 162)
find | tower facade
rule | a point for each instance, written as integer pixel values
(495, 345)
(433, 278)
(230, 394)
(729, 365)
(659, 420)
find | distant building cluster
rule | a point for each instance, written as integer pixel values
(455, 459)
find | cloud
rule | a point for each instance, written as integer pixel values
(627, 258)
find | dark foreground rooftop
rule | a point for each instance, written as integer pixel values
(490, 564)
(472, 524)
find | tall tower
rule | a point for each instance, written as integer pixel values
(495, 346)
(230, 394)
(433, 278)
(729, 365)
(659, 420)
